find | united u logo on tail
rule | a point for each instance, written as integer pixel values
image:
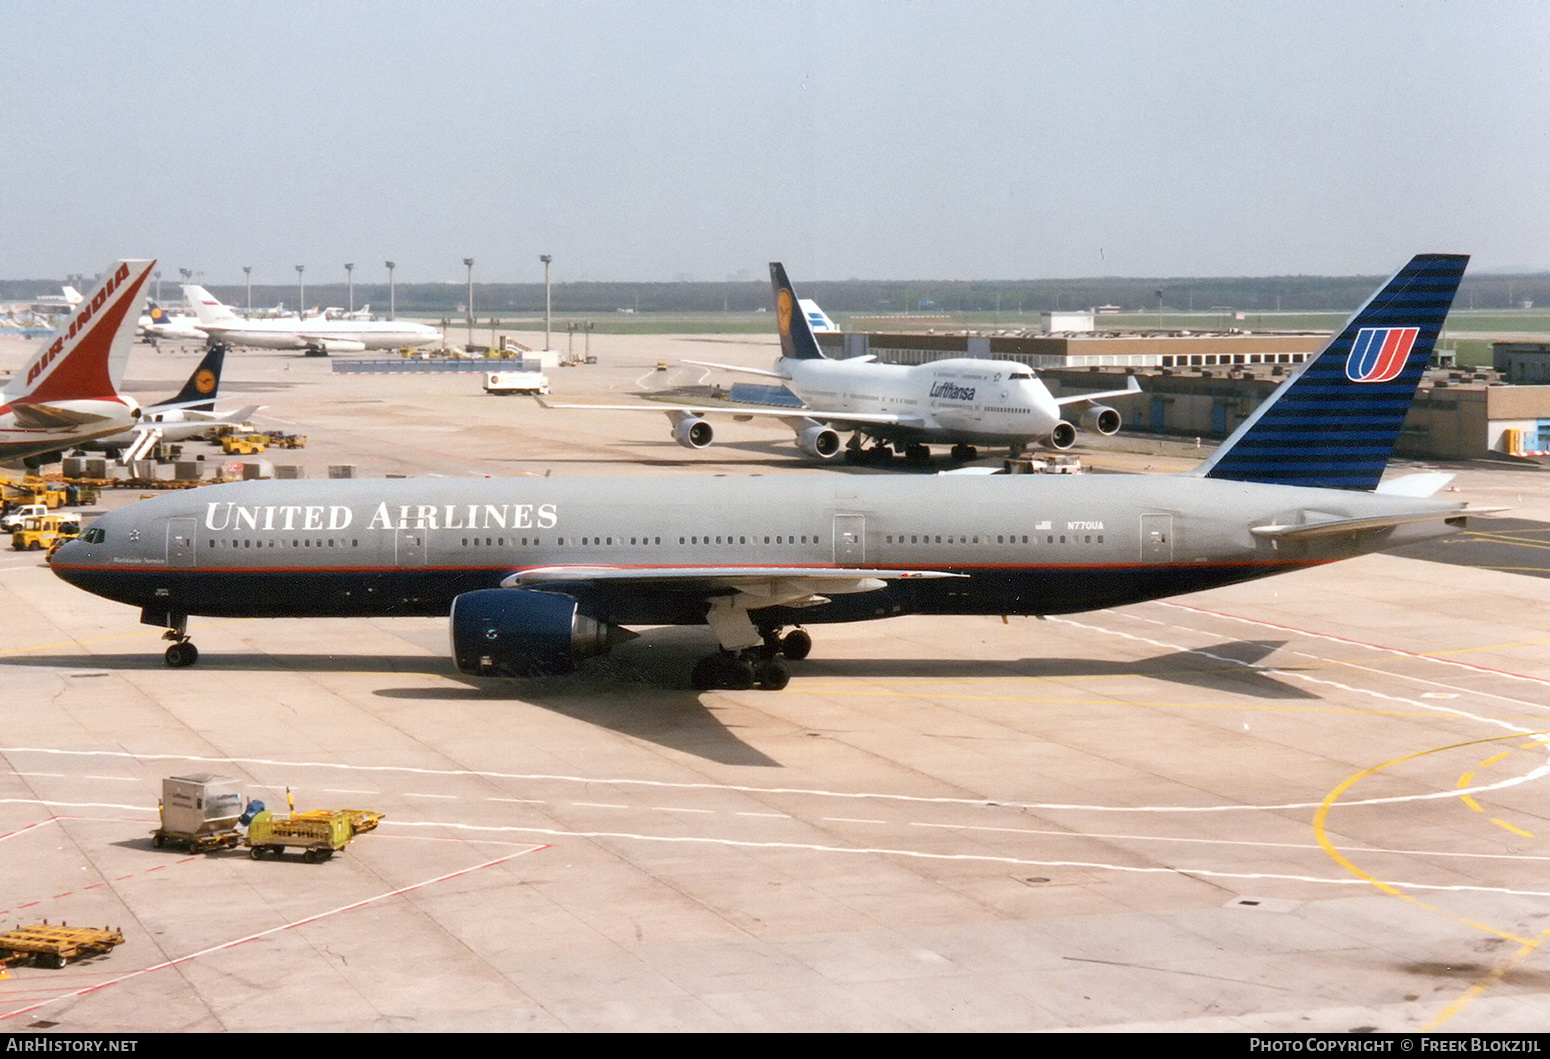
(1378, 354)
(1334, 424)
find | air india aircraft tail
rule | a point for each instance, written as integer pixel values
(86, 357)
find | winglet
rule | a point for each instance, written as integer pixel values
(796, 333)
(1334, 424)
(85, 358)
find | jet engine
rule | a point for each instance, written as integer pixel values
(1063, 436)
(819, 441)
(691, 431)
(516, 632)
(1102, 418)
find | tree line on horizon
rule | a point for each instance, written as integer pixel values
(863, 297)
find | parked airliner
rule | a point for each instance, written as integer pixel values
(68, 392)
(963, 401)
(189, 413)
(315, 335)
(537, 573)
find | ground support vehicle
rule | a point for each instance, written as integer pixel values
(318, 833)
(244, 444)
(280, 440)
(503, 382)
(51, 946)
(39, 532)
(200, 812)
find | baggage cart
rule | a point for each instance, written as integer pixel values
(55, 946)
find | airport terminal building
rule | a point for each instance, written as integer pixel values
(1202, 385)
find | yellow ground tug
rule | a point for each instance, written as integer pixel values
(41, 531)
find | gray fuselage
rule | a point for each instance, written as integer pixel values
(1025, 544)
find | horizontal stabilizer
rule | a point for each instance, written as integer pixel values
(1315, 530)
(61, 417)
(1427, 483)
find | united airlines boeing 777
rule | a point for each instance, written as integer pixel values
(537, 573)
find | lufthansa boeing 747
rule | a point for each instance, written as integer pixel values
(535, 574)
(960, 401)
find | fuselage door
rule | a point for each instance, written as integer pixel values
(410, 544)
(1157, 538)
(849, 540)
(180, 542)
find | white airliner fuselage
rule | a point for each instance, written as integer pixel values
(322, 335)
(963, 402)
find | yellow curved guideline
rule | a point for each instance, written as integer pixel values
(1527, 946)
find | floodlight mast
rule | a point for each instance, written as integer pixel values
(548, 304)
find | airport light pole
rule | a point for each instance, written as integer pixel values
(247, 270)
(349, 271)
(470, 263)
(301, 294)
(392, 292)
(548, 305)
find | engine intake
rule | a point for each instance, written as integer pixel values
(1063, 436)
(516, 632)
(1102, 418)
(690, 431)
(819, 441)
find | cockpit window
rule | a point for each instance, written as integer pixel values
(1020, 375)
(95, 535)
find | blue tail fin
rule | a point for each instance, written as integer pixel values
(199, 391)
(1334, 424)
(796, 334)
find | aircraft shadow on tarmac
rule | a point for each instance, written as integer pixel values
(643, 689)
(1232, 667)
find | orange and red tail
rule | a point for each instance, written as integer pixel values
(86, 356)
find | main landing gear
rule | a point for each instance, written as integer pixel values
(767, 666)
(182, 652)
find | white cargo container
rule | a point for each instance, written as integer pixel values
(516, 382)
(200, 811)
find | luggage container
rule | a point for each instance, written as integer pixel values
(200, 811)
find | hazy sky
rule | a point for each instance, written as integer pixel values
(871, 139)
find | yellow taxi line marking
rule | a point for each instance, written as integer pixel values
(1515, 830)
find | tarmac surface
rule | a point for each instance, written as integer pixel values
(1315, 802)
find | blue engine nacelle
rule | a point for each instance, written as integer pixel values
(516, 632)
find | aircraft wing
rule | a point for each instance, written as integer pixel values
(1134, 387)
(757, 586)
(241, 415)
(735, 367)
(790, 416)
(50, 417)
